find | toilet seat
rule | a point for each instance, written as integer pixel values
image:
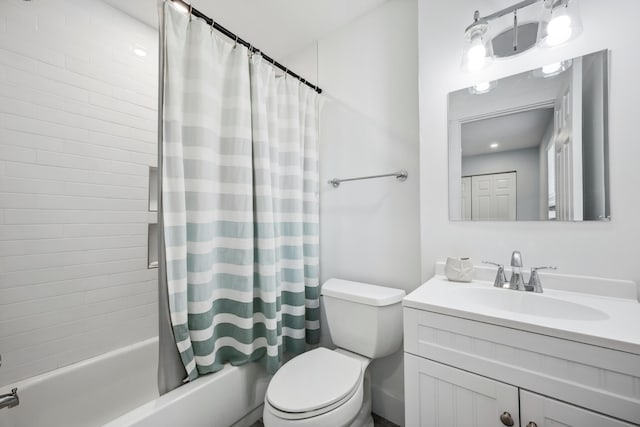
(313, 384)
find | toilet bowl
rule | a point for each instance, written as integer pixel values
(325, 387)
(319, 388)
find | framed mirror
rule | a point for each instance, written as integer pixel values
(532, 146)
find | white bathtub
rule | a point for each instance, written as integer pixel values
(119, 389)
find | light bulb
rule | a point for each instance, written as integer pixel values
(476, 56)
(139, 51)
(494, 145)
(559, 30)
(551, 68)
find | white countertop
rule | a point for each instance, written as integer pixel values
(615, 322)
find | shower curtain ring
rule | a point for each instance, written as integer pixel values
(190, 10)
(236, 43)
(212, 26)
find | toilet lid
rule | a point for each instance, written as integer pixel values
(314, 380)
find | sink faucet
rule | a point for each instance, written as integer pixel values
(516, 282)
(517, 279)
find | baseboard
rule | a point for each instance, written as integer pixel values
(249, 419)
(388, 405)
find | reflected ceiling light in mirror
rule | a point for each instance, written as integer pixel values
(494, 145)
(478, 51)
(553, 69)
(482, 87)
(560, 22)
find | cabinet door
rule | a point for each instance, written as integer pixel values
(438, 395)
(542, 411)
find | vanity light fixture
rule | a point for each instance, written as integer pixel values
(560, 23)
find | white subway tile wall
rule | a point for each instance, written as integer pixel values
(78, 114)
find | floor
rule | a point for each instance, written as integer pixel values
(377, 420)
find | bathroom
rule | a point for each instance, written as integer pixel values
(78, 205)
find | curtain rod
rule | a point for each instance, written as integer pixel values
(195, 12)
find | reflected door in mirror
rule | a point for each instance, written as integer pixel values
(490, 197)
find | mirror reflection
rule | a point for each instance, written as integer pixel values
(532, 146)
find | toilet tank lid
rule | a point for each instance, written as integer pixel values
(364, 293)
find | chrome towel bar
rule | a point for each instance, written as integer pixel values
(401, 176)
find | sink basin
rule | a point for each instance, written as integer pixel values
(527, 303)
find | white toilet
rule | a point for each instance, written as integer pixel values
(322, 387)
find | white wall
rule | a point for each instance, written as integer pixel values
(369, 125)
(595, 248)
(525, 162)
(77, 135)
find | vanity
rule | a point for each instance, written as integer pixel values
(478, 355)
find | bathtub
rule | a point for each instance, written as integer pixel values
(119, 389)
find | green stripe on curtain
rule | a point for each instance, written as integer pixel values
(240, 202)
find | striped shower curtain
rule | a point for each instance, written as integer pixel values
(239, 200)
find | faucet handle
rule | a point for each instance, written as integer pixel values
(493, 263)
(544, 268)
(534, 284)
(501, 277)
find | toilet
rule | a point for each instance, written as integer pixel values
(324, 387)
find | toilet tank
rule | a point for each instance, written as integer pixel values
(363, 318)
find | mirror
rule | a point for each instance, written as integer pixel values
(532, 146)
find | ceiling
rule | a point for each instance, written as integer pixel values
(277, 27)
(511, 132)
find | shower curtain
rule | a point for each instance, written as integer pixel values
(239, 201)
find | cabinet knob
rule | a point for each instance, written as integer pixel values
(507, 419)
(532, 424)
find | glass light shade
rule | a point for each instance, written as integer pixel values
(560, 22)
(478, 50)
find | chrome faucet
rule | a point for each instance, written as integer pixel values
(9, 400)
(516, 282)
(517, 279)
(534, 284)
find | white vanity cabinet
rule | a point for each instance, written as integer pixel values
(470, 372)
(438, 395)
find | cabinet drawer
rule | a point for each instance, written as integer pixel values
(608, 381)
